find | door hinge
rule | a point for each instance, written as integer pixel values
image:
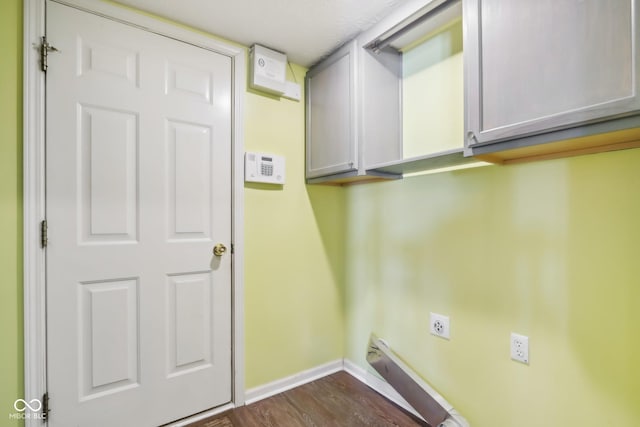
(45, 406)
(45, 48)
(44, 238)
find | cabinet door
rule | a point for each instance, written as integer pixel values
(540, 65)
(331, 114)
(381, 115)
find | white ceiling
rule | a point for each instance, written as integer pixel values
(306, 30)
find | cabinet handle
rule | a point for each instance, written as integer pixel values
(471, 137)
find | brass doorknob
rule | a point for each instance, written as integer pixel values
(219, 249)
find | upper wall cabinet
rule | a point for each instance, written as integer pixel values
(391, 101)
(549, 77)
(348, 99)
(331, 111)
(427, 48)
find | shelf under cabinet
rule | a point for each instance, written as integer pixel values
(427, 162)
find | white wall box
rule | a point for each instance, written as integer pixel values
(550, 79)
(267, 70)
(355, 101)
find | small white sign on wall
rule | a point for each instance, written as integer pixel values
(264, 167)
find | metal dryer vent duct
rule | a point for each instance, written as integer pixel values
(435, 410)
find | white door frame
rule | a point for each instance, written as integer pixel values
(35, 366)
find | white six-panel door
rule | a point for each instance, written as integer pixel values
(138, 192)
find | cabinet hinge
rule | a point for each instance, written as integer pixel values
(233, 249)
(44, 238)
(45, 406)
(45, 48)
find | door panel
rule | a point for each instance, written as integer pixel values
(190, 340)
(109, 175)
(190, 178)
(109, 337)
(138, 193)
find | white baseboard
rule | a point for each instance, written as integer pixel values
(284, 384)
(376, 383)
(379, 385)
(368, 377)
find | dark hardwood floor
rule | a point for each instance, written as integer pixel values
(335, 400)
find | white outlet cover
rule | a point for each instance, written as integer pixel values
(520, 348)
(439, 325)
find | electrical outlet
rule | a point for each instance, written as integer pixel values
(520, 348)
(439, 325)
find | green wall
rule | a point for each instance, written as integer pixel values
(294, 252)
(434, 66)
(11, 354)
(548, 250)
